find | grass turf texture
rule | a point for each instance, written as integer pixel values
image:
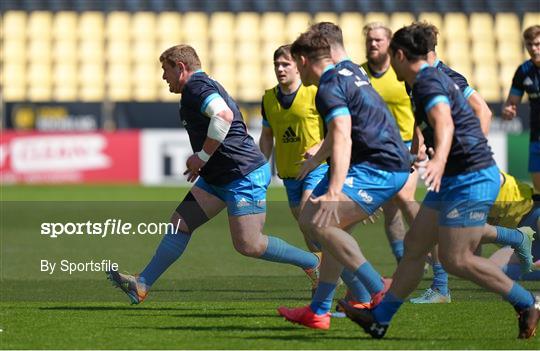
(212, 298)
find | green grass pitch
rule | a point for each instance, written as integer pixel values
(212, 298)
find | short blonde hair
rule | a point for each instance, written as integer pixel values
(377, 25)
(181, 53)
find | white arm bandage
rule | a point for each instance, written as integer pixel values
(218, 127)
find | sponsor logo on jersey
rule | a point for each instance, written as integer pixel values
(478, 216)
(365, 196)
(349, 182)
(453, 214)
(290, 136)
(345, 72)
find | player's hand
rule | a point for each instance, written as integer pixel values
(193, 165)
(312, 151)
(434, 172)
(509, 112)
(328, 210)
(307, 166)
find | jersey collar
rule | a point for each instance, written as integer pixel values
(436, 62)
(326, 69)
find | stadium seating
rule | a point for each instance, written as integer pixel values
(90, 54)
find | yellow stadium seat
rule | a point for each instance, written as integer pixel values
(143, 26)
(223, 52)
(506, 74)
(247, 51)
(169, 27)
(143, 51)
(509, 51)
(40, 24)
(356, 51)
(65, 25)
(222, 27)
(91, 26)
(458, 51)
(118, 25)
(295, 24)
(14, 50)
(351, 24)
(507, 27)
(269, 78)
(481, 27)
(39, 89)
(64, 50)
(118, 51)
(39, 48)
(195, 25)
(464, 68)
(144, 82)
(325, 17)
(273, 27)
(91, 82)
(483, 51)
(65, 82)
(14, 25)
(400, 19)
(14, 75)
(530, 19)
(377, 17)
(247, 26)
(456, 26)
(91, 51)
(225, 74)
(486, 82)
(433, 18)
(119, 82)
(250, 85)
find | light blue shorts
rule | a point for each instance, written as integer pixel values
(243, 196)
(464, 200)
(295, 188)
(534, 157)
(369, 187)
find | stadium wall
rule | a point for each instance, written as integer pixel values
(148, 156)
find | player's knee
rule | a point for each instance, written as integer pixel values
(305, 223)
(453, 264)
(249, 248)
(412, 250)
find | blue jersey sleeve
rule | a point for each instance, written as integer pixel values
(331, 102)
(430, 92)
(517, 87)
(200, 93)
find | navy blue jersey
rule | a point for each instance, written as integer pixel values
(237, 155)
(527, 79)
(345, 90)
(469, 150)
(459, 79)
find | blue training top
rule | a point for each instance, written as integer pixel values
(527, 79)
(238, 154)
(345, 90)
(470, 150)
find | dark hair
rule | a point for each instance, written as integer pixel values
(283, 50)
(415, 41)
(428, 28)
(331, 32)
(531, 33)
(311, 44)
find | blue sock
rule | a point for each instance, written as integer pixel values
(357, 289)
(440, 279)
(169, 250)
(397, 249)
(280, 251)
(508, 236)
(519, 297)
(368, 276)
(322, 299)
(384, 311)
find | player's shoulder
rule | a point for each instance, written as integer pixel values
(270, 93)
(526, 66)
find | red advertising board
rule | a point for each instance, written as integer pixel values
(69, 157)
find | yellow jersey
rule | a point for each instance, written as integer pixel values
(513, 202)
(395, 96)
(295, 129)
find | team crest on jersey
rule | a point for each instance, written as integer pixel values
(290, 136)
(453, 214)
(528, 81)
(349, 182)
(345, 72)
